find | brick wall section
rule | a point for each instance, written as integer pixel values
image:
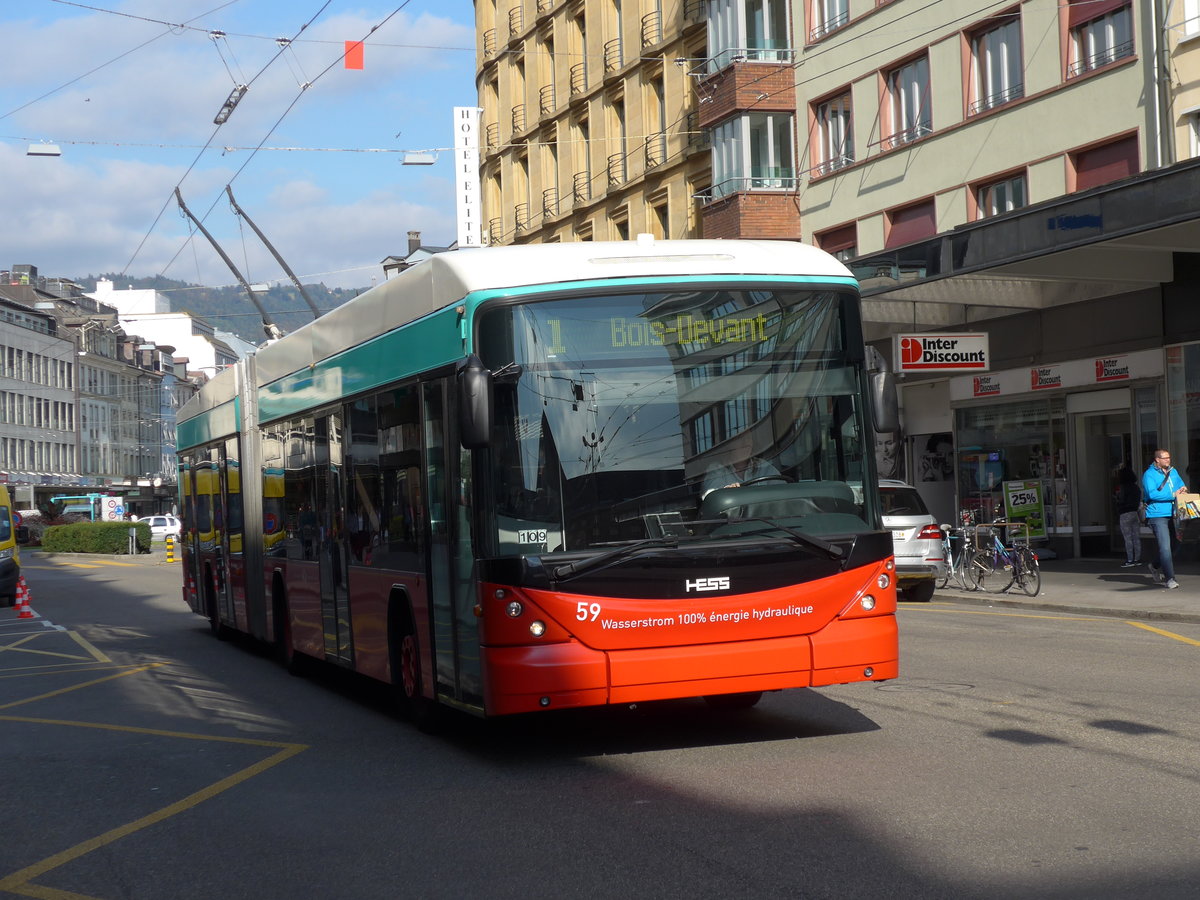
(762, 87)
(757, 214)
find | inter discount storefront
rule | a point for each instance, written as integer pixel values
(1045, 443)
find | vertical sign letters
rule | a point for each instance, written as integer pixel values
(466, 174)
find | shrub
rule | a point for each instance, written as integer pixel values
(95, 537)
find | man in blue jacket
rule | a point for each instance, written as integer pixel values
(1160, 484)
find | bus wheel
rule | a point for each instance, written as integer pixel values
(733, 701)
(285, 647)
(406, 676)
(220, 632)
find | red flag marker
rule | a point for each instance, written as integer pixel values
(354, 54)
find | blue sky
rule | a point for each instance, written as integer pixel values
(131, 102)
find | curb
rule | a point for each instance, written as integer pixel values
(1043, 606)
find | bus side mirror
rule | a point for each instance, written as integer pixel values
(474, 404)
(885, 403)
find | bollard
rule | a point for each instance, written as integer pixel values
(170, 548)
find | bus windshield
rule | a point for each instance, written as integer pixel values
(708, 412)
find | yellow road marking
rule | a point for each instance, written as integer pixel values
(21, 882)
(77, 687)
(1170, 634)
(18, 648)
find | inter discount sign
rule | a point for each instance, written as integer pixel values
(942, 352)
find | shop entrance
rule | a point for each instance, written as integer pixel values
(1103, 443)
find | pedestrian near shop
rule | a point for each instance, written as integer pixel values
(1129, 501)
(1160, 484)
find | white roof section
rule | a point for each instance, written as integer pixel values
(446, 278)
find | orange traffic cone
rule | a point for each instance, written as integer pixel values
(24, 611)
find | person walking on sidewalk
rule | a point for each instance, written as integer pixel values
(1129, 500)
(1160, 484)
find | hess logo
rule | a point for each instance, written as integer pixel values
(707, 584)
(910, 350)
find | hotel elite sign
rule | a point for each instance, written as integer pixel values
(943, 353)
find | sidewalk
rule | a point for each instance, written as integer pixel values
(1099, 587)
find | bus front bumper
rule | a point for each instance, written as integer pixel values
(567, 675)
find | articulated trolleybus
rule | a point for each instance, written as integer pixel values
(542, 477)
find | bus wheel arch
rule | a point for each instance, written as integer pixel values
(404, 656)
(209, 583)
(285, 645)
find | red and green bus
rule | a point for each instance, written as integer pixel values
(541, 477)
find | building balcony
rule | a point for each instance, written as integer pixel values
(616, 169)
(521, 216)
(613, 58)
(579, 80)
(491, 134)
(751, 215)
(489, 43)
(516, 22)
(546, 102)
(656, 150)
(550, 203)
(652, 29)
(518, 118)
(582, 186)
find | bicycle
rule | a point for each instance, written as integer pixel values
(958, 565)
(998, 567)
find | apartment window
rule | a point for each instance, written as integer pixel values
(754, 30)
(834, 145)
(754, 151)
(997, 76)
(828, 16)
(911, 223)
(1101, 33)
(1192, 118)
(1106, 163)
(1191, 17)
(1001, 196)
(841, 242)
(908, 95)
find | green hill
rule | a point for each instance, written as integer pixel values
(228, 308)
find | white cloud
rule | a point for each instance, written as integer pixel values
(131, 129)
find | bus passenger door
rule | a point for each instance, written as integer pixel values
(331, 541)
(451, 563)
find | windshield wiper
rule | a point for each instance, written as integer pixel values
(833, 551)
(571, 569)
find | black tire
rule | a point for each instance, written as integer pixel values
(990, 574)
(407, 686)
(218, 630)
(744, 700)
(285, 647)
(921, 592)
(1030, 576)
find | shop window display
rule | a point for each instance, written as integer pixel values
(1023, 442)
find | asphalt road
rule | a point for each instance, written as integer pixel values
(1020, 754)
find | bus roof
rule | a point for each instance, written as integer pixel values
(446, 278)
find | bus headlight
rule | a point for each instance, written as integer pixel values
(867, 602)
(6, 553)
(537, 628)
(514, 609)
(883, 580)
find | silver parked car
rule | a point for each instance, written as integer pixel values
(916, 540)
(161, 526)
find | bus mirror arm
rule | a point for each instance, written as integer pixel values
(474, 404)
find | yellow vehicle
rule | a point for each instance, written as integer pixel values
(12, 533)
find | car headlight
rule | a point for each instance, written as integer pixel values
(6, 553)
